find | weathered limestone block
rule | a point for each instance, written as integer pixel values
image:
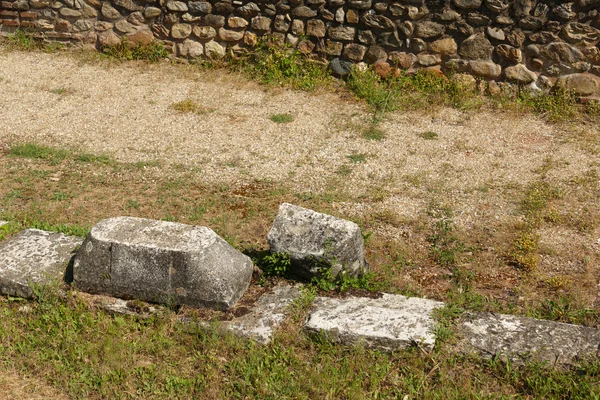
(34, 257)
(161, 261)
(316, 241)
(521, 338)
(267, 314)
(388, 323)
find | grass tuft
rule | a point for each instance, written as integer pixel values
(282, 118)
(154, 52)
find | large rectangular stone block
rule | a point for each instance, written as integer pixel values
(388, 323)
(161, 262)
(34, 257)
(316, 241)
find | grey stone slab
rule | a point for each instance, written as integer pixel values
(387, 323)
(521, 338)
(315, 241)
(269, 311)
(162, 262)
(34, 257)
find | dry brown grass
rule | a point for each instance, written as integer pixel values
(14, 386)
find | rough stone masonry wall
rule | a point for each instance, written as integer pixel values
(522, 41)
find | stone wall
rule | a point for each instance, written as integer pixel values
(525, 41)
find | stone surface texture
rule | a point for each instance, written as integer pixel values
(522, 339)
(316, 241)
(34, 257)
(387, 323)
(566, 35)
(159, 261)
(269, 311)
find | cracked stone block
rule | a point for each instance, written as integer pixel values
(34, 257)
(161, 262)
(522, 339)
(265, 317)
(387, 323)
(316, 241)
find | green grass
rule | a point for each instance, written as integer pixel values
(428, 135)
(373, 133)
(154, 52)
(55, 155)
(282, 66)
(87, 353)
(282, 118)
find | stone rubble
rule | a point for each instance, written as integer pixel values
(520, 41)
(522, 339)
(387, 323)
(34, 257)
(316, 242)
(163, 262)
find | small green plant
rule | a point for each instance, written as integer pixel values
(282, 118)
(93, 158)
(190, 106)
(357, 158)
(374, 133)
(126, 51)
(23, 40)
(428, 135)
(445, 245)
(60, 91)
(274, 264)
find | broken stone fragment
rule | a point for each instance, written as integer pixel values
(316, 242)
(162, 262)
(388, 323)
(34, 257)
(522, 339)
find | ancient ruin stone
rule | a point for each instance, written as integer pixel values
(177, 6)
(316, 241)
(509, 53)
(523, 339)
(580, 34)
(261, 24)
(315, 28)
(227, 35)
(354, 52)
(142, 37)
(204, 32)
(304, 12)
(476, 47)
(152, 12)
(342, 33)
(190, 49)
(109, 12)
(340, 68)
(387, 323)
(469, 4)
(181, 31)
(34, 257)
(160, 261)
(428, 29)
(201, 7)
(375, 54)
(378, 22)
(562, 52)
(519, 73)
(582, 84)
(445, 47)
(485, 69)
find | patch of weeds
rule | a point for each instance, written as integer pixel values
(428, 135)
(190, 106)
(558, 282)
(445, 245)
(461, 293)
(534, 206)
(343, 282)
(31, 150)
(60, 91)
(282, 118)
(446, 318)
(67, 229)
(378, 93)
(373, 133)
(23, 40)
(132, 205)
(344, 170)
(357, 158)
(565, 309)
(558, 106)
(282, 65)
(126, 51)
(93, 158)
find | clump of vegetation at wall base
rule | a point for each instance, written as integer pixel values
(126, 51)
(281, 65)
